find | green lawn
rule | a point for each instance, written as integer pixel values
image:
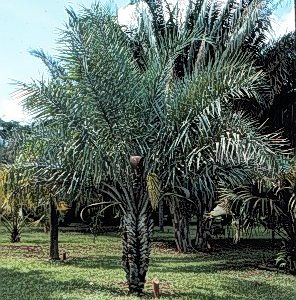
(93, 271)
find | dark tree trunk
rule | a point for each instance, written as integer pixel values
(203, 227)
(180, 220)
(137, 233)
(15, 235)
(54, 232)
(203, 233)
(273, 237)
(160, 216)
(290, 242)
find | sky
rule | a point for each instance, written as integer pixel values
(33, 24)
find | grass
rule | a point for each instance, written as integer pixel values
(93, 271)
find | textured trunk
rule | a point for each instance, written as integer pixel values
(137, 234)
(181, 225)
(160, 216)
(54, 232)
(236, 224)
(137, 237)
(292, 257)
(203, 233)
(15, 235)
(273, 237)
(290, 243)
(203, 228)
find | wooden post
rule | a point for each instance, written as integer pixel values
(156, 288)
(64, 256)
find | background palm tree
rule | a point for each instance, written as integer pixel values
(227, 31)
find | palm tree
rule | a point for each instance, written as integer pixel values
(16, 200)
(48, 181)
(227, 30)
(269, 201)
(278, 59)
(112, 130)
(91, 116)
(14, 191)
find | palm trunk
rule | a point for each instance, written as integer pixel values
(54, 232)
(15, 234)
(137, 237)
(236, 224)
(137, 233)
(203, 233)
(273, 238)
(181, 225)
(203, 228)
(290, 243)
(160, 216)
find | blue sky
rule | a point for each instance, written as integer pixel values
(32, 24)
(25, 25)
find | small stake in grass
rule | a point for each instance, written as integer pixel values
(156, 288)
(64, 256)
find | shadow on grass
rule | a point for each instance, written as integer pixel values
(21, 285)
(226, 244)
(243, 258)
(173, 265)
(30, 285)
(234, 289)
(104, 262)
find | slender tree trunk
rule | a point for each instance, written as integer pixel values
(203, 227)
(272, 226)
(160, 216)
(15, 234)
(203, 233)
(137, 233)
(237, 231)
(180, 220)
(273, 237)
(54, 232)
(290, 243)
